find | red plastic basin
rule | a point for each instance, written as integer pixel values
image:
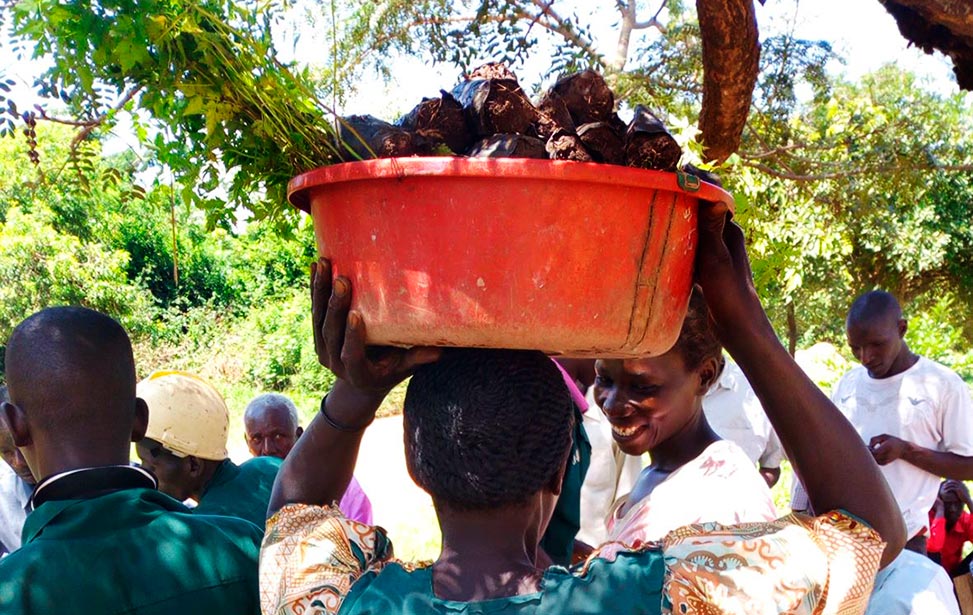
(575, 259)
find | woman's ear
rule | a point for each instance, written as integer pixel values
(709, 372)
(557, 479)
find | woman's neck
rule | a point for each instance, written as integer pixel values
(684, 445)
(485, 556)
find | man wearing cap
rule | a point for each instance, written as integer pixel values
(185, 447)
(100, 538)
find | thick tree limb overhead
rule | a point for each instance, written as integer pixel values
(731, 54)
(941, 25)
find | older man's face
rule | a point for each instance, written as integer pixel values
(271, 432)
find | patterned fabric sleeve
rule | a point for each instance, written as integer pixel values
(797, 565)
(312, 555)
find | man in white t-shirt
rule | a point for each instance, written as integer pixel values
(734, 412)
(915, 414)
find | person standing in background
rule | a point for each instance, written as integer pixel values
(100, 538)
(915, 415)
(185, 448)
(734, 412)
(611, 473)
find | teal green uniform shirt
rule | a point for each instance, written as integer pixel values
(632, 584)
(134, 551)
(241, 491)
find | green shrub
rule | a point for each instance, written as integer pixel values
(278, 330)
(40, 267)
(933, 334)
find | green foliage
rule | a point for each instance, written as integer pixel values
(280, 330)
(194, 271)
(207, 72)
(40, 267)
(266, 263)
(933, 334)
(862, 195)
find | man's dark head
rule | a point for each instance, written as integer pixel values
(487, 429)
(875, 330)
(8, 450)
(953, 493)
(71, 379)
(272, 425)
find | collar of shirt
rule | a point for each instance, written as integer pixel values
(85, 483)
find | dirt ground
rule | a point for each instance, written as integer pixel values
(398, 504)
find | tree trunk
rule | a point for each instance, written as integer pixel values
(942, 25)
(731, 57)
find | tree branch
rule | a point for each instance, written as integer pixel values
(629, 24)
(562, 27)
(856, 172)
(88, 126)
(624, 35)
(652, 22)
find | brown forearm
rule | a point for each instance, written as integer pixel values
(320, 466)
(946, 465)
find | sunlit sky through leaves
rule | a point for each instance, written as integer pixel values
(860, 30)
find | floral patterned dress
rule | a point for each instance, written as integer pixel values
(316, 562)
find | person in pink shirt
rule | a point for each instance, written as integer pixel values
(272, 426)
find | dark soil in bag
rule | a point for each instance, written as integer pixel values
(649, 145)
(439, 120)
(509, 146)
(365, 136)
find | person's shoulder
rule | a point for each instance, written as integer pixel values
(726, 452)
(929, 368)
(15, 563)
(262, 464)
(261, 470)
(213, 531)
(623, 563)
(312, 553)
(852, 376)
(966, 519)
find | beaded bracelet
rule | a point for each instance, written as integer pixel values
(338, 426)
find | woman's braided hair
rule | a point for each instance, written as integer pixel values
(487, 429)
(697, 339)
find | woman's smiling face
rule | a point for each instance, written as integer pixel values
(647, 400)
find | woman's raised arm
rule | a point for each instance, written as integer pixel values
(825, 450)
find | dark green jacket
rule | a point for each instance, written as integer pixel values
(241, 491)
(134, 551)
